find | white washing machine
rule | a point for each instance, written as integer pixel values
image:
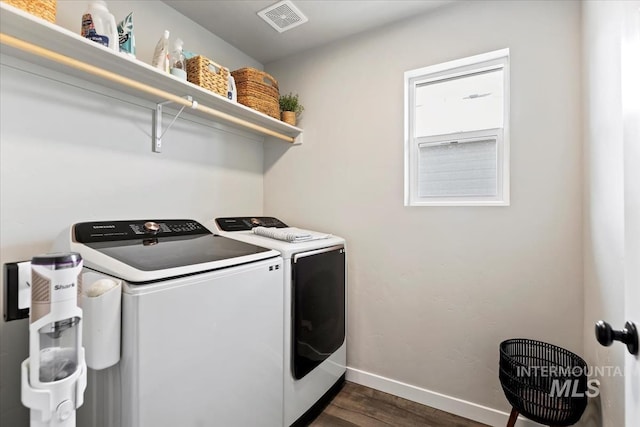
(314, 317)
(202, 324)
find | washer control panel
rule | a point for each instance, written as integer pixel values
(109, 231)
(245, 223)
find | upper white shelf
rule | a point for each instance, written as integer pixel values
(30, 29)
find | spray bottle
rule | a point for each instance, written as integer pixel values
(178, 64)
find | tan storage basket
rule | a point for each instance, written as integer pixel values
(207, 74)
(45, 9)
(258, 90)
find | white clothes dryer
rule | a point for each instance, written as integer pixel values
(202, 326)
(314, 313)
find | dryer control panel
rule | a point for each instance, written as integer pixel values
(245, 223)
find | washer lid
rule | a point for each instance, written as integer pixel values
(140, 251)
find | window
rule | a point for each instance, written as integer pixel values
(456, 132)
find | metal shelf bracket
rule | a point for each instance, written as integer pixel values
(158, 133)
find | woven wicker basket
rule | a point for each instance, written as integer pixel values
(45, 9)
(257, 90)
(207, 74)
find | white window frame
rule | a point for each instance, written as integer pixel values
(498, 59)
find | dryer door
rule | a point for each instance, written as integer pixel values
(318, 307)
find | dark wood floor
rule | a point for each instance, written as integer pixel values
(361, 406)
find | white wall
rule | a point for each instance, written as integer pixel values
(71, 152)
(433, 291)
(603, 194)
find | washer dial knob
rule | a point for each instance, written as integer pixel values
(151, 227)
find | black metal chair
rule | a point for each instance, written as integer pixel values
(543, 382)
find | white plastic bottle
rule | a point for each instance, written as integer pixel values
(100, 26)
(161, 53)
(232, 92)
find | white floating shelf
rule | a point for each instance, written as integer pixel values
(36, 31)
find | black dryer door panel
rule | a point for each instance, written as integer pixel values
(318, 307)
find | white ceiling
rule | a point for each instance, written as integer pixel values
(237, 22)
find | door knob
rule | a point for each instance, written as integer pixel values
(629, 335)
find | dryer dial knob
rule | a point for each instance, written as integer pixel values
(151, 227)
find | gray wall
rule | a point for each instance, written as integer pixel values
(433, 291)
(604, 197)
(73, 152)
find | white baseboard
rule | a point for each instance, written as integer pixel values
(440, 401)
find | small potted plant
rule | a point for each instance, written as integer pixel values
(290, 108)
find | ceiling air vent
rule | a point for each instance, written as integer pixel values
(283, 16)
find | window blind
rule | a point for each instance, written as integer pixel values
(458, 169)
